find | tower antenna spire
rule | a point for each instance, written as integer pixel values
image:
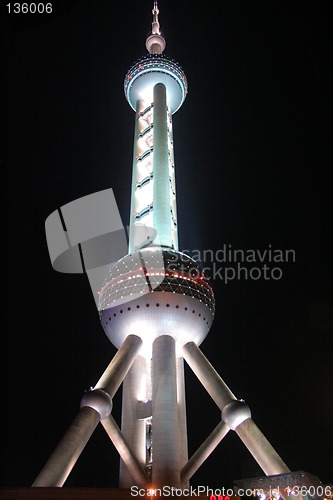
(155, 42)
(155, 24)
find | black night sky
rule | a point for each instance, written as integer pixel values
(252, 159)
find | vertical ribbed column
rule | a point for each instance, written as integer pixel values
(133, 429)
(166, 469)
(182, 424)
(140, 106)
(161, 211)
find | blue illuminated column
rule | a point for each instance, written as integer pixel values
(162, 220)
(153, 196)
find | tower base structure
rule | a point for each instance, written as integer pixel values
(166, 466)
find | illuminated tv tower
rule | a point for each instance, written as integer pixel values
(156, 306)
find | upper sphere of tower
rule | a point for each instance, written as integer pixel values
(155, 43)
(150, 70)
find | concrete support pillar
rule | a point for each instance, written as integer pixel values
(64, 457)
(126, 453)
(165, 446)
(261, 450)
(203, 452)
(182, 423)
(235, 413)
(207, 375)
(161, 210)
(133, 429)
(119, 366)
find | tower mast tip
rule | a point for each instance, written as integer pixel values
(155, 42)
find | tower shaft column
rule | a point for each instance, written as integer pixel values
(165, 448)
(162, 207)
(133, 429)
(182, 424)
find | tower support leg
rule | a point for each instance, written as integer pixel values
(235, 413)
(165, 448)
(208, 376)
(95, 405)
(261, 450)
(203, 452)
(126, 453)
(64, 457)
(115, 373)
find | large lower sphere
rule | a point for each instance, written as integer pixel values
(156, 292)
